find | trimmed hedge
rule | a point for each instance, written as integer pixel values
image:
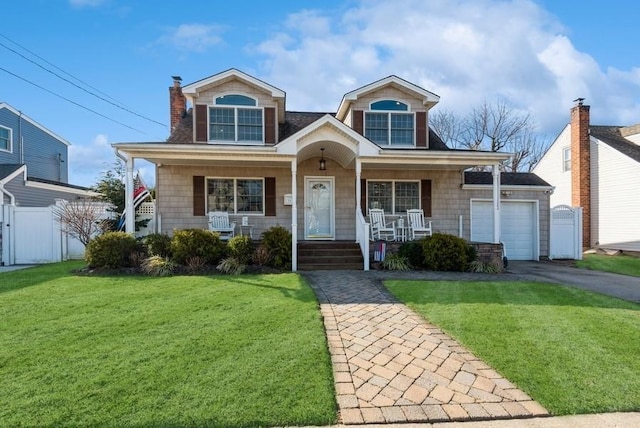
(443, 252)
(204, 244)
(111, 250)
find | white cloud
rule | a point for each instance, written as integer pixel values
(87, 161)
(463, 51)
(192, 37)
(86, 3)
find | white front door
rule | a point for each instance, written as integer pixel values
(319, 214)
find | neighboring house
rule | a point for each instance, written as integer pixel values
(238, 149)
(597, 168)
(33, 174)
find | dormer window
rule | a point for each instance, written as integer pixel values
(389, 122)
(234, 118)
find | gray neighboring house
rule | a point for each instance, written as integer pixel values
(33, 174)
(235, 147)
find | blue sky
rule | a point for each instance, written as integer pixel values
(537, 55)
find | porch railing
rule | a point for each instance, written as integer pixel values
(362, 237)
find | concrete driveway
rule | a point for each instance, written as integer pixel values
(620, 286)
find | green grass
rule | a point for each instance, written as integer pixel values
(573, 351)
(178, 351)
(627, 265)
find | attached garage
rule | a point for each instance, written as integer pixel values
(519, 226)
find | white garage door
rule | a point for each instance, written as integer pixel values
(517, 227)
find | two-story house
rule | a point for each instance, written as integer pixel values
(33, 174)
(234, 147)
(597, 168)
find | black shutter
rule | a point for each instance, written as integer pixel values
(425, 197)
(269, 125)
(198, 195)
(358, 121)
(201, 123)
(421, 129)
(270, 196)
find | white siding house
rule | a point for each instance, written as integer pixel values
(613, 159)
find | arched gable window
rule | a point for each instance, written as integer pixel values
(236, 100)
(389, 122)
(239, 120)
(389, 105)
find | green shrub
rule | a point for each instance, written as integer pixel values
(395, 262)
(277, 241)
(196, 242)
(111, 250)
(231, 265)
(158, 266)
(412, 250)
(241, 247)
(445, 252)
(158, 244)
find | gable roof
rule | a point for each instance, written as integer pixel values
(506, 178)
(428, 98)
(34, 123)
(192, 88)
(611, 136)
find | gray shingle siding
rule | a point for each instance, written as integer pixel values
(45, 156)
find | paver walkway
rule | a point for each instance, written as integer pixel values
(391, 366)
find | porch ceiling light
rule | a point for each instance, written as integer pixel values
(323, 163)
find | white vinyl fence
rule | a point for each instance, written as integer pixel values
(565, 240)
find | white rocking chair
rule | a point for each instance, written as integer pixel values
(380, 229)
(418, 227)
(219, 222)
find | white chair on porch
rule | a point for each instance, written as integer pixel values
(380, 229)
(219, 222)
(418, 227)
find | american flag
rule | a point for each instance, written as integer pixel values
(140, 193)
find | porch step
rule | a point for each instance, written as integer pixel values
(329, 255)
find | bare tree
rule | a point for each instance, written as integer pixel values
(82, 219)
(493, 127)
(448, 126)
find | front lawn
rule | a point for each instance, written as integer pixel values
(177, 351)
(626, 265)
(573, 351)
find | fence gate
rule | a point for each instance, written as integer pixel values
(37, 237)
(565, 240)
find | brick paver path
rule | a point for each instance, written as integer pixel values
(390, 365)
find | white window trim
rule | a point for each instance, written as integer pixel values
(564, 159)
(393, 192)
(9, 149)
(389, 112)
(235, 108)
(235, 195)
(235, 124)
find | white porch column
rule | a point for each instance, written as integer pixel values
(294, 215)
(130, 219)
(358, 189)
(496, 203)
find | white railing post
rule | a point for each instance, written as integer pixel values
(294, 216)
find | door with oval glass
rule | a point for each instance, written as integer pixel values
(319, 213)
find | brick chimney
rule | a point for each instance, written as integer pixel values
(177, 102)
(581, 167)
